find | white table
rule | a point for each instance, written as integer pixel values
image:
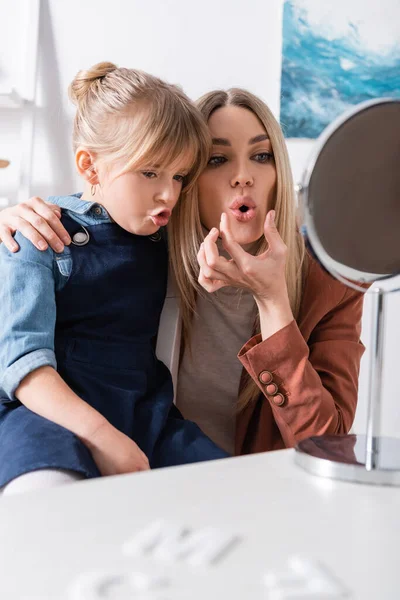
(49, 538)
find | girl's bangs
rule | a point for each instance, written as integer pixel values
(172, 142)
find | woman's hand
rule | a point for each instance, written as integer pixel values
(262, 275)
(38, 221)
(114, 452)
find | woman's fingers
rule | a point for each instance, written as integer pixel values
(207, 271)
(276, 245)
(226, 269)
(30, 233)
(56, 209)
(39, 205)
(7, 239)
(48, 228)
(209, 285)
(38, 221)
(231, 246)
(211, 249)
(51, 213)
(42, 207)
(214, 260)
(208, 278)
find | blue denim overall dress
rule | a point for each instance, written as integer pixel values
(106, 325)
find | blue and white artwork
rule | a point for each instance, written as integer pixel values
(336, 54)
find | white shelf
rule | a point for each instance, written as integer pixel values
(9, 98)
(25, 98)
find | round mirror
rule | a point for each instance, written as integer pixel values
(350, 193)
(350, 200)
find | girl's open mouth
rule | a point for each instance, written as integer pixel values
(161, 218)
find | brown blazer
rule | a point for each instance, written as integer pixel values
(315, 364)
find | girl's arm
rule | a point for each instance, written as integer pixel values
(44, 392)
(28, 363)
(38, 221)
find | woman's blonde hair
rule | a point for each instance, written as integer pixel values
(186, 233)
(130, 116)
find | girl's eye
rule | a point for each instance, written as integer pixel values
(149, 174)
(216, 161)
(263, 157)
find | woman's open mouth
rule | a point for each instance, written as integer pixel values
(243, 209)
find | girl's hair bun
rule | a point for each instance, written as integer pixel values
(84, 80)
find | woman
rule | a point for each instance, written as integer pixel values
(298, 375)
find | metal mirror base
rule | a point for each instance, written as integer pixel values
(345, 457)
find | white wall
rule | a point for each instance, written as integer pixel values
(201, 46)
(215, 43)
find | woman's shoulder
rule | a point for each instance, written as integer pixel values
(329, 309)
(321, 291)
(317, 276)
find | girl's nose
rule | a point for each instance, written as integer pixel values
(168, 195)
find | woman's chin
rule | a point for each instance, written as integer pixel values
(246, 234)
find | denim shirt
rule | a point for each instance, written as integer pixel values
(29, 280)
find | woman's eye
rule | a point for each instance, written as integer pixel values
(263, 157)
(179, 178)
(216, 161)
(149, 174)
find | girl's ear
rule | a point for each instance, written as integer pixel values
(84, 160)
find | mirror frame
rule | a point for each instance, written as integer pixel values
(338, 270)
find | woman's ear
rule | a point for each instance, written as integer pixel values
(84, 160)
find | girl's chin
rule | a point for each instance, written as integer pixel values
(146, 228)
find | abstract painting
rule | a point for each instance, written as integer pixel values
(336, 55)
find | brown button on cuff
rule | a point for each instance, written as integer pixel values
(278, 399)
(265, 377)
(272, 389)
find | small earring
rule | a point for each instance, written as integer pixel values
(93, 190)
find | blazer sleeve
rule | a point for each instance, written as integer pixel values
(316, 383)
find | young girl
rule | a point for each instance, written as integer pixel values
(82, 393)
(298, 376)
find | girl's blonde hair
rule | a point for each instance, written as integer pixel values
(186, 233)
(130, 116)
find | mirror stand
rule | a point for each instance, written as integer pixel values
(368, 458)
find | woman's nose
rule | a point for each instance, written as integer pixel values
(242, 179)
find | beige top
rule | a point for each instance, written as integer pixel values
(209, 376)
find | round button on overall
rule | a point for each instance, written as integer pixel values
(80, 238)
(155, 237)
(97, 210)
